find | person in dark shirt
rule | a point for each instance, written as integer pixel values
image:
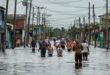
(43, 48)
(33, 45)
(62, 42)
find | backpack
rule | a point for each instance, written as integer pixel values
(43, 44)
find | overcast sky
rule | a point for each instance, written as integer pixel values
(63, 12)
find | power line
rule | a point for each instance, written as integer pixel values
(65, 12)
(65, 18)
(63, 2)
(71, 6)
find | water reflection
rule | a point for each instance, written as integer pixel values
(3, 66)
(78, 65)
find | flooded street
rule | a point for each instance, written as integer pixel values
(29, 25)
(23, 62)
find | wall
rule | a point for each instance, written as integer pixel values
(1, 27)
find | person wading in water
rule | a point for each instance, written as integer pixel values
(78, 53)
(33, 45)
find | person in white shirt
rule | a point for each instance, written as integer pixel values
(47, 41)
(57, 43)
(85, 50)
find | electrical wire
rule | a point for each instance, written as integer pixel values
(62, 2)
(70, 6)
(70, 12)
(65, 18)
(66, 2)
(64, 12)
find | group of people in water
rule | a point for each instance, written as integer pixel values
(81, 49)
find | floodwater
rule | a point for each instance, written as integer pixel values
(23, 62)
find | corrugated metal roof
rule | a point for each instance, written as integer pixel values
(2, 8)
(18, 16)
(104, 16)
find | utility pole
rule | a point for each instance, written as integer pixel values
(33, 24)
(95, 39)
(38, 16)
(89, 26)
(14, 27)
(80, 29)
(73, 33)
(84, 26)
(74, 23)
(7, 3)
(25, 25)
(84, 22)
(107, 29)
(29, 19)
(93, 14)
(79, 22)
(44, 26)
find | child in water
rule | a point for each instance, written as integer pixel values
(50, 50)
(59, 51)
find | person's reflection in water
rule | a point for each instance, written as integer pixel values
(78, 65)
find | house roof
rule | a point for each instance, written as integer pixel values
(2, 8)
(18, 16)
(104, 16)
